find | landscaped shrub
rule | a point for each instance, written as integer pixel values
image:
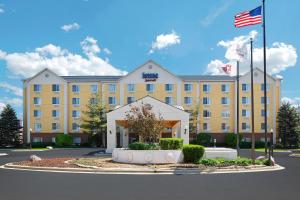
(245, 145)
(192, 153)
(230, 139)
(142, 146)
(243, 161)
(63, 140)
(221, 162)
(204, 139)
(170, 143)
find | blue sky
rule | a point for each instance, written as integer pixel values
(113, 37)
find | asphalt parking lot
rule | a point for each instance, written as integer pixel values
(29, 185)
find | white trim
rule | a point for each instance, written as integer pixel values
(274, 113)
(28, 111)
(235, 107)
(121, 93)
(66, 108)
(178, 92)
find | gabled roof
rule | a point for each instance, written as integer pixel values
(46, 69)
(91, 78)
(207, 77)
(258, 69)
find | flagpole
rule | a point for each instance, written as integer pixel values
(238, 106)
(265, 76)
(252, 105)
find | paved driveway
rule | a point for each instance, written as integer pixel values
(28, 185)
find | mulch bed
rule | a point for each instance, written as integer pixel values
(48, 162)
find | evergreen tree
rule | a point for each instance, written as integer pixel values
(94, 120)
(10, 128)
(288, 123)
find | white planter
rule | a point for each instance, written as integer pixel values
(147, 156)
(226, 153)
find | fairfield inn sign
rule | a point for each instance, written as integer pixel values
(150, 76)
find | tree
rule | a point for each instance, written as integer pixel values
(288, 123)
(194, 115)
(10, 127)
(94, 120)
(142, 121)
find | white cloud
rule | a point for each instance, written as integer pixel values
(2, 105)
(280, 56)
(15, 102)
(10, 88)
(2, 8)
(295, 101)
(60, 60)
(165, 40)
(70, 27)
(107, 51)
(213, 14)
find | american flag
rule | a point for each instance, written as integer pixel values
(248, 18)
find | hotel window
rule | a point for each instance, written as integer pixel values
(37, 101)
(55, 88)
(245, 113)
(37, 127)
(188, 100)
(224, 127)
(55, 100)
(131, 87)
(37, 113)
(262, 87)
(225, 100)
(93, 101)
(225, 87)
(55, 126)
(55, 113)
(245, 87)
(168, 87)
(205, 126)
(112, 88)
(187, 87)
(169, 100)
(206, 101)
(245, 100)
(262, 126)
(94, 88)
(206, 88)
(245, 126)
(262, 99)
(206, 113)
(75, 113)
(225, 113)
(262, 112)
(112, 100)
(149, 87)
(75, 88)
(75, 127)
(37, 139)
(75, 101)
(130, 100)
(37, 88)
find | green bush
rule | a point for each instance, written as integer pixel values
(243, 161)
(230, 139)
(142, 146)
(204, 139)
(63, 140)
(170, 143)
(245, 145)
(192, 153)
(221, 162)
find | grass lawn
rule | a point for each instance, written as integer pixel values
(275, 150)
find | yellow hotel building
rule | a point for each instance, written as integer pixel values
(53, 104)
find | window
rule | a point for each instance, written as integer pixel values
(37, 127)
(55, 100)
(262, 126)
(37, 88)
(75, 113)
(76, 88)
(245, 126)
(205, 126)
(130, 100)
(37, 113)
(131, 87)
(245, 113)
(76, 101)
(94, 88)
(37, 101)
(225, 100)
(224, 127)
(206, 113)
(149, 87)
(77, 140)
(55, 113)
(225, 113)
(262, 99)
(112, 100)
(262, 112)
(245, 100)
(75, 127)
(262, 87)
(55, 88)
(245, 87)
(112, 88)
(206, 88)
(168, 87)
(37, 139)
(188, 100)
(55, 126)
(169, 100)
(206, 100)
(187, 87)
(93, 101)
(225, 87)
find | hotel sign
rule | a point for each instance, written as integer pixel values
(150, 76)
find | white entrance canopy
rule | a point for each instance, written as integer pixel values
(175, 117)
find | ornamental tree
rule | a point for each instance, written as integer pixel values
(142, 121)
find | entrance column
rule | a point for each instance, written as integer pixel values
(111, 135)
(125, 137)
(184, 130)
